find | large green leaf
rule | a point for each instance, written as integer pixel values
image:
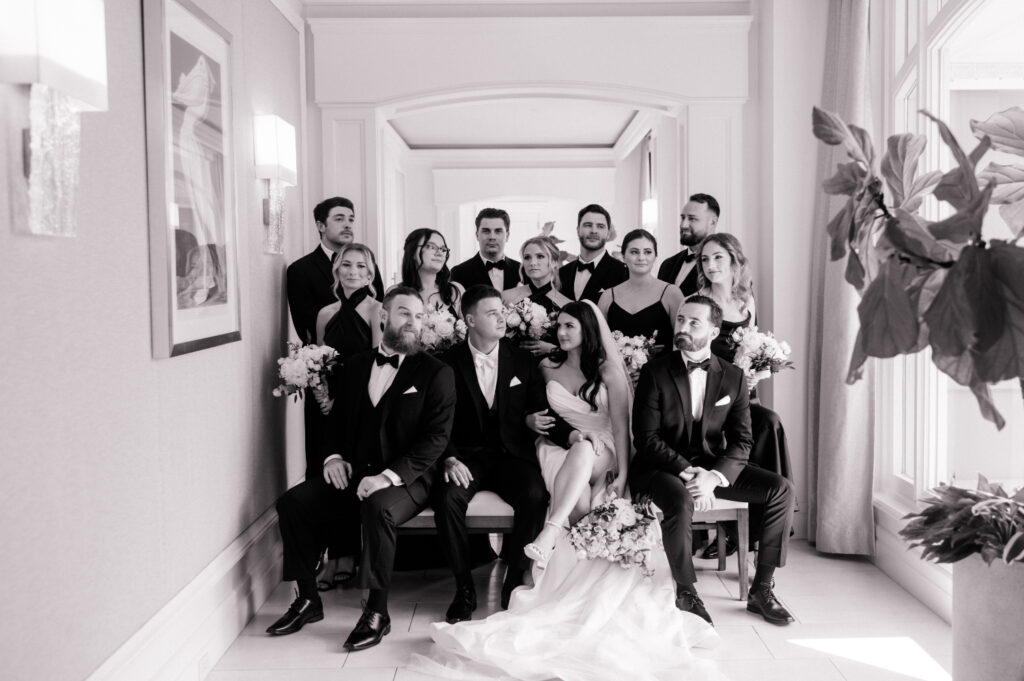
(838, 230)
(855, 273)
(847, 179)
(968, 311)
(959, 187)
(863, 142)
(828, 127)
(888, 318)
(899, 165)
(1004, 359)
(906, 232)
(1006, 129)
(1009, 182)
(961, 369)
(965, 224)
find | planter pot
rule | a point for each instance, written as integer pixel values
(988, 621)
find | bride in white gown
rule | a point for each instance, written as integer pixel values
(583, 620)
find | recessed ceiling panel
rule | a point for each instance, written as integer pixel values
(516, 123)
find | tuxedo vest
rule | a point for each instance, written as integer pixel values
(367, 436)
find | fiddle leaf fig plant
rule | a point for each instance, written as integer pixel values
(933, 283)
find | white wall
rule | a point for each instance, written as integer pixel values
(123, 476)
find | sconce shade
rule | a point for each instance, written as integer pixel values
(275, 149)
(58, 43)
(649, 212)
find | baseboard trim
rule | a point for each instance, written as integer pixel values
(186, 637)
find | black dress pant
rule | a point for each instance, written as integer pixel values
(310, 514)
(770, 491)
(516, 481)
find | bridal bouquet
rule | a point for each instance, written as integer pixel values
(759, 354)
(618, 531)
(525, 320)
(441, 330)
(305, 366)
(635, 350)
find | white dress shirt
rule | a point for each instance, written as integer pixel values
(698, 390)
(684, 271)
(583, 276)
(486, 370)
(497, 276)
(328, 252)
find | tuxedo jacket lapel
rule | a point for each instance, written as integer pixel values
(403, 379)
(323, 266)
(714, 384)
(682, 382)
(468, 370)
(506, 370)
(511, 273)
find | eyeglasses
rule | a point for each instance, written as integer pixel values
(443, 250)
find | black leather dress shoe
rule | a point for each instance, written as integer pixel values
(301, 611)
(689, 601)
(462, 606)
(370, 629)
(762, 601)
(711, 551)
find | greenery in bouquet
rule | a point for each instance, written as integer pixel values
(957, 523)
(441, 330)
(305, 366)
(526, 320)
(759, 353)
(933, 283)
(618, 531)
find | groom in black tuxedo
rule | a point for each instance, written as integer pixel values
(698, 218)
(595, 270)
(691, 430)
(500, 410)
(383, 438)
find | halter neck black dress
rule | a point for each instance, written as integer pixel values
(347, 332)
(651, 321)
(540, 296)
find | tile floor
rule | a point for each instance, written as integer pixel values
(853, 624)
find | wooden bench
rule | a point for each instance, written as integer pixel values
(488, 513)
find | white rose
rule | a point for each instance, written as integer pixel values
(444, 328)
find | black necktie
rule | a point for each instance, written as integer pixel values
(499, 265)
(334, 256)
(585, 267)
(690, 366)
(688, 256)
(383, 359)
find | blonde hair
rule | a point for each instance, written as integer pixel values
(371, 265)
(554, 255)
(742, 288)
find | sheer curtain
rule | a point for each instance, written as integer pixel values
(840, 424)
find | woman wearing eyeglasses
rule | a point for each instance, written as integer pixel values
(425, 268)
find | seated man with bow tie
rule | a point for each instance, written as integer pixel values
(691, 430)
(489, 267)
(500, 410)
(383, 438)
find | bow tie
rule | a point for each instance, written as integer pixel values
(383, 359)
(689, 256)
(483, 361)
(499, 265)
(584, 267)
(703, 364)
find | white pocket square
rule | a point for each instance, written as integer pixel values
(515, 382)
(410, 391)
(724, 401)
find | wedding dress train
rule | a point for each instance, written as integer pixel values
(583, 620)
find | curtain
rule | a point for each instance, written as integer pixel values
(840, 423)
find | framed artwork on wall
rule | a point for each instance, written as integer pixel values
(192, 232)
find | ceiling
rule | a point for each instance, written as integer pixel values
(534, 123)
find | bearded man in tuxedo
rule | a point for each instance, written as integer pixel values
(698, 219)
(691, 430)
(383, 438)
(501, 409)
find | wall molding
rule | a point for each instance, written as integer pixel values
(187, 636)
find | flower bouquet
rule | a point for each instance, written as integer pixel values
(958, 522)
(618, 531)
(759, 354)
(635, 351)
(441, 330)
(526, 320)
(305, 366)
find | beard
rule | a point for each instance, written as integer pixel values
(405, 340)
(689, 343)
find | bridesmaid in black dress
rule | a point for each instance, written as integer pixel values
(643, 305)
(425, 268)
(723, 273)
(350, 325)
(540, 256)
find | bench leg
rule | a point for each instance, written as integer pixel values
(720, 536)
(743, 523)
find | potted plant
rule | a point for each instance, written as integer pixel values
(941, 284)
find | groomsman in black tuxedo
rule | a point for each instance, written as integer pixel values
(383, 438)
(698, 219)
(490, 267)
(500, 410)
(691, 430)
(310, 286)
(595, 270)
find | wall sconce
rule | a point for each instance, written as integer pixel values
(275, 163)
(58, 48)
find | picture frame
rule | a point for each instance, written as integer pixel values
(194, 287)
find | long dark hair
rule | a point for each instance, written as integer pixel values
(411, 260)
(592, 355)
